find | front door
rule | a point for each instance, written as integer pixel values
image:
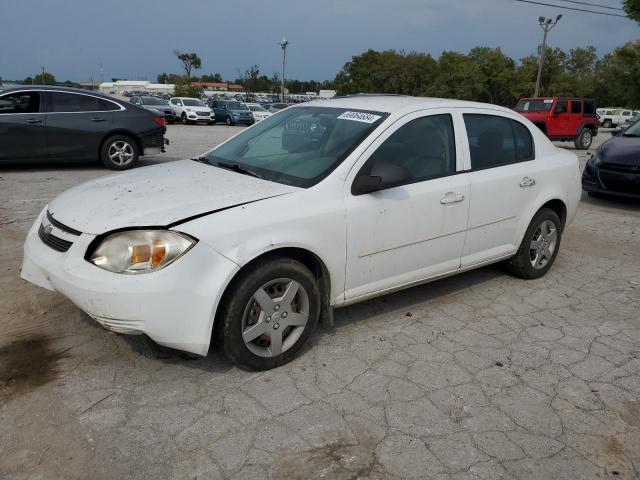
(415, 230)
(22, 126)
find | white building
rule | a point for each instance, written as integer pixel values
(121, 86)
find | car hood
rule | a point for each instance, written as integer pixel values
(159, 195)
(620, 150)
(236, 112)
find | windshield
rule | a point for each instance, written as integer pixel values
(236, 106)
(192, 102)
(257, 108)
(299, 146)
(633, 130)
(153, 101)
(534, 105)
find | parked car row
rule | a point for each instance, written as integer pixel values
(65, 124)
(612, 117)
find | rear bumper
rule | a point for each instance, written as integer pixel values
(153, 143)
(174, 306)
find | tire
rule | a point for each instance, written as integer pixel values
(584, 139)
(522, 264)
(607, 124)
(243, 318)
(184, 119)
(229, 122)
(119, 152)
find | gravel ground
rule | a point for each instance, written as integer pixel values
(477, 376)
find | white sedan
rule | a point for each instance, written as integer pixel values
(258, 111)
(323, 205)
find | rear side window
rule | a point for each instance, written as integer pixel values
(61, 102)
(496, 141)
(20, 102)
(576, 106)
(424, 147)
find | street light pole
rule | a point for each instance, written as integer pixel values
(44, 80)
(284, 43)
(546, 24)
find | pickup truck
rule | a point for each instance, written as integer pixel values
(562, 119)
(612, 118)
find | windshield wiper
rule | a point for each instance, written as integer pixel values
(237, 168)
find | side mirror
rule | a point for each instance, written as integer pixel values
(381, 176)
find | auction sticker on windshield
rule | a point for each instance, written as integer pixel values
(360, 117)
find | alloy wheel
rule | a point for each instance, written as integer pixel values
(121, 153)
(543, 244)
(275, 317)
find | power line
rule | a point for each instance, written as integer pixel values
(572, 8)
(593, 5)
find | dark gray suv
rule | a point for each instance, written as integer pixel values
(232, 112)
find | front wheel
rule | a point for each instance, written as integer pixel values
(607, 124)
(119, 152)
(229, 122)
(270, 313)
(539, 246)
(584, 139)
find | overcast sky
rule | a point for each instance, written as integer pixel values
(135, 39)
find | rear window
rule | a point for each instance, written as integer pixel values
(588, 107)
(576, 106)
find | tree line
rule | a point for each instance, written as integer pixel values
(488, 75)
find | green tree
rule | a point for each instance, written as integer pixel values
(632, 7)
(190, 61)
(581, 65)
(500, 78)
(45, 78)
(213, 77)
(458, 77)
(28, 81)
(184, 88)
(617, 75)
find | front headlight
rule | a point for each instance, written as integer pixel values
(189, 109)
(140, 251)
(595, 159)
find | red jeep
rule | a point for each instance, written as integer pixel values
(562, 119)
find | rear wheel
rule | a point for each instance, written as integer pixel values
(539, 246)
(119, 152)
(607, 124)
(270, 313)
(584, 139)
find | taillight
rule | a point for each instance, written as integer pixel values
(160, 121)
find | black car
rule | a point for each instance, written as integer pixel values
(66, 124)
(614, 168)
(156, 105)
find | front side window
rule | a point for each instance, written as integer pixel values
(153, 101)
(561, 107)
(20, 102)
(496, 141)
(299, 147)
(71, 102)
(424, 147)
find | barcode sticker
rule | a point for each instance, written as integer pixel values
(359, 117)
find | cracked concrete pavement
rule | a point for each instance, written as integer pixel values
(479, 376)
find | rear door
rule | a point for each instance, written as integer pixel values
(562, 120)
(576, 117)
(77, 123)
(22, 126)
(502, 184)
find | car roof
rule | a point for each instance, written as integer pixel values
(398, 103)
(24, 88)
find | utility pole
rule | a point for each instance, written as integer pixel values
(284, 43)
(44, 80)
(546, 24)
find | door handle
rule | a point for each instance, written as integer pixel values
(527, 182)
(451, 197)
(33, 121)
(97, 119)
